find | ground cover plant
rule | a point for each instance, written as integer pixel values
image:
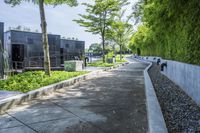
(101, 64)
(28, 81)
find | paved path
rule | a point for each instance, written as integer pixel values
(114, 102)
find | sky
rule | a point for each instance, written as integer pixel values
(59, 19)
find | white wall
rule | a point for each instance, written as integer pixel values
(185, 75)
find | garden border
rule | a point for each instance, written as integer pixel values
(156, 122)
(10, 102)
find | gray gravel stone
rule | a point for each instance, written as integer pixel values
(181, 113)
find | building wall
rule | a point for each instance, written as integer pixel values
(33, 47)
(72, 48)
(1, 53)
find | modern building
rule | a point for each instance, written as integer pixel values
(71, 49)
(25, 49)
(1, 49)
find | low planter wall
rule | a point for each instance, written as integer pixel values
(73, 65)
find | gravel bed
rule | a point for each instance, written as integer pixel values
(181, 113)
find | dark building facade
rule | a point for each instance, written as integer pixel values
(25, 49)
(71, 49)
(1, 48)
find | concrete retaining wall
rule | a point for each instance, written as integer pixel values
(185, 75)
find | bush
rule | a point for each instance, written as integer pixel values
(100, 64)
(110, 54)
(118, 58)
(33, 80)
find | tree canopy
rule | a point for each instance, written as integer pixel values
(96, 48)
(50, 2)
(100, 16)
(121, 31)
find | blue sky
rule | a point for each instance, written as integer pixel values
(59, 19)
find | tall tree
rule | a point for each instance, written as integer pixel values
(96, 48)
(121, 31)
(41, 3)
(99, 17)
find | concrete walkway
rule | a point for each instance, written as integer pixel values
(114, 102)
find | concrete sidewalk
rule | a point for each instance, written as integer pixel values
(114, 102)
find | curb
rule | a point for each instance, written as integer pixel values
(156, 122)
(10, 102)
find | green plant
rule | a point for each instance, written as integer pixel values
(118, 59)
(110, 54)
(170, 29)
(33, 80)
(99, 17)
(101, 64)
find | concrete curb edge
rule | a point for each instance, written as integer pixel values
(156, 122)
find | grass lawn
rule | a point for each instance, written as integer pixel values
(101, 64)
(118, 58)
(33, 80)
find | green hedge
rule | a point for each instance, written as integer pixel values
(100, 64)
(170, 29)
(33, 80)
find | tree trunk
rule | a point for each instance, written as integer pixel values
(103, 52)
(120, 52)
(2, 60)
(114, 49)
(47, 67)
(103, 34)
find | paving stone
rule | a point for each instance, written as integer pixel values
(28, 115)
(68, 125)
(19, 129)
(130, 120)
(7, 121)
(90, 110)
